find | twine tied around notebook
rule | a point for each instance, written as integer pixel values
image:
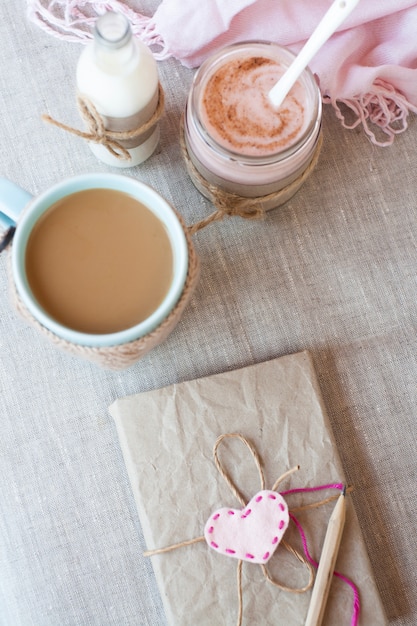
(98, 133)
(307, 560)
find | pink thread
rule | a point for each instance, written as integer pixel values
(281, 524)
(339, 486)
(265, 556)
(214, 545)
(230, 551)
(271, 495)
(275, 540)
(356, 600)
(216, 516)
(259, 498)
(249, 556)
(303, 540)
(248, 512)
(210, 530)
(231, 512)
(281, 506)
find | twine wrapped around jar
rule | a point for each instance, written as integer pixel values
(229, 204)
(119, 357)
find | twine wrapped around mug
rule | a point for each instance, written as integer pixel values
(229, 204)
(98, 133)
(119, 357)
(245, 512)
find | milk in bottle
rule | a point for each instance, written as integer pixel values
(118, 74)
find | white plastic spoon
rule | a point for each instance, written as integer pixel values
(331, 21)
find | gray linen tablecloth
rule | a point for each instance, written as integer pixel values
(334, 272)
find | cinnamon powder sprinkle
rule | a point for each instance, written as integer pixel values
(237, 113)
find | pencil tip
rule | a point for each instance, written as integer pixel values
(344, 490)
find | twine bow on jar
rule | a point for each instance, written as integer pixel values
(228, 204)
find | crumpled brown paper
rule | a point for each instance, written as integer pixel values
(167, 437)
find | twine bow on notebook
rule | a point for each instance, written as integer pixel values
(254, 532)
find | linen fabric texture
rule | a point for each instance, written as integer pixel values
(334, 271)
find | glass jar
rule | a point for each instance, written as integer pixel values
(236, 141)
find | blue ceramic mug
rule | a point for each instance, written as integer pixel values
(19, 212)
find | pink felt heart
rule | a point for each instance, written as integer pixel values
(251, 534)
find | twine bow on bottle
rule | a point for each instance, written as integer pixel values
(253, 533)
(97, 131)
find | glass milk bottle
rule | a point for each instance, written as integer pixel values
(118, 74)
(236, 142)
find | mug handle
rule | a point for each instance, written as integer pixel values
(13, 200)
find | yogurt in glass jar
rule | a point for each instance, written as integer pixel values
(236, 140)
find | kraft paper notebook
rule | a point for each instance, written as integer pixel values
(167, 438)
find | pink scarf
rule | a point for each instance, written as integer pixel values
(367, 70)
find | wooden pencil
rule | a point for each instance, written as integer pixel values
(327, 562)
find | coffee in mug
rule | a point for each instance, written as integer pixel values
(98, 259)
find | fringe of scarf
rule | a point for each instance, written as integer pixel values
(383, 112)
